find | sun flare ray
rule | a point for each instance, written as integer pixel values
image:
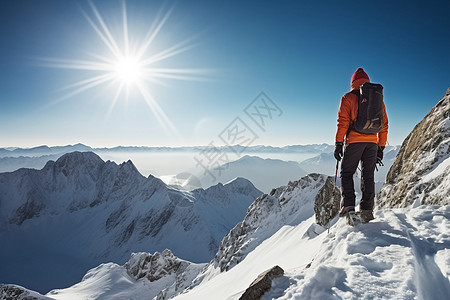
(125, 67)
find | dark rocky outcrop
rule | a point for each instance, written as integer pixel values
(327, 203)
(156, 266)
(262, 284)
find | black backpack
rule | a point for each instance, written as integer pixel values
(370, 109)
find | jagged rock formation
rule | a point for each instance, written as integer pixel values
(262, 284)
(95, 211)
(421, 171)
(154, 267)
(327, 203)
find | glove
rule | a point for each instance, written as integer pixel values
(339, 151)
(380, 155)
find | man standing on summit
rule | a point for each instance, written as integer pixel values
(362, 127)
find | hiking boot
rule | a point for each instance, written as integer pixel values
(353, 218)
(345, 210)
(366, 215)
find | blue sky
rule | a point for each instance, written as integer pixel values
(302, 54)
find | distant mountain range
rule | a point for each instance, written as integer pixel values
(12, 159)
(46, 150)
(263, 173)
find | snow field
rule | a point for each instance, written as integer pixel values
(393, 257)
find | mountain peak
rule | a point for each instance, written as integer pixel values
(239, 182)
(75, 160)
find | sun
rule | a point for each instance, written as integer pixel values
(129, 70)
(125, 67)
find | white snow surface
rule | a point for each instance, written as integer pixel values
(402, 254)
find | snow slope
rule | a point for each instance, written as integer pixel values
(403, 254)
(78, 212)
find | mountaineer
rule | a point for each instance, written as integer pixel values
(361, 136)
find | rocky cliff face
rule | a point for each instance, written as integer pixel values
(95, 211)
(421, 171)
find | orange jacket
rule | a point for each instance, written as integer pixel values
(348, 111)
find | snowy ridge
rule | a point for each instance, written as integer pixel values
(91, 211)
(285, 206)
(421, 171)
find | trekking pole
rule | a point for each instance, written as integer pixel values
(334, 189)
(335, 176)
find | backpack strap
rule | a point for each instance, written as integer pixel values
(357, 93)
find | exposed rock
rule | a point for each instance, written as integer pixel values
(262, 284)
(421, 171)
(327, 203)
(154, 267)
(15, 292)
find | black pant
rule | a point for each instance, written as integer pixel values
(353, 154)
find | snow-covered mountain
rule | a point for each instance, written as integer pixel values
(80, 211)
(421, 171)
(263, 173)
